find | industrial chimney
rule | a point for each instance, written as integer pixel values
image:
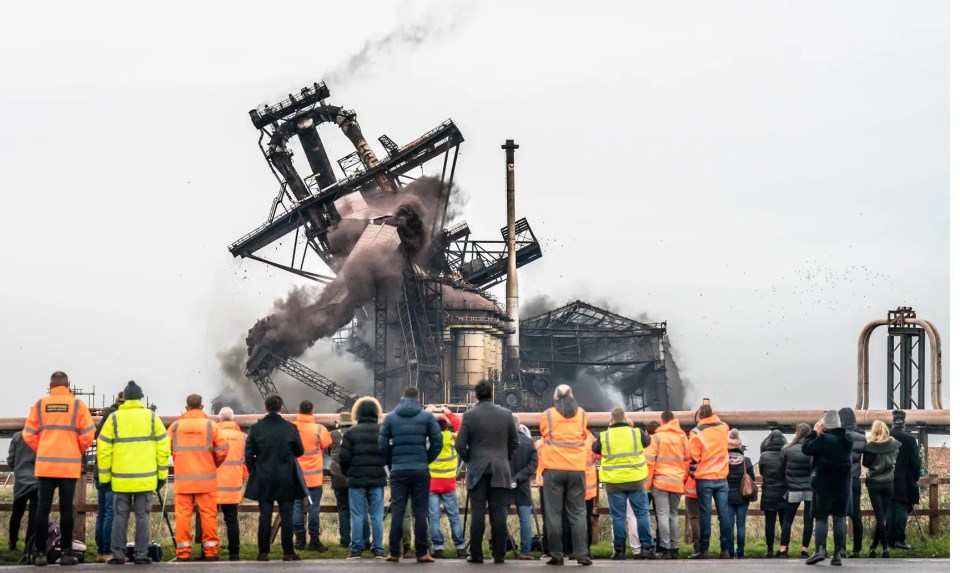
(512, 366)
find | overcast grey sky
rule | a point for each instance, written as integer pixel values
(765, 176)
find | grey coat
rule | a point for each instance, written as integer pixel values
(21, 459)
(486, 442)
(523, 464)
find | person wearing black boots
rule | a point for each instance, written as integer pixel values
(880, 457)
(830, 448)
(849, 422)
(773, 492)
(797, 471)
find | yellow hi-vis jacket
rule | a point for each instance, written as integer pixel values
(622, 458)
(445, 466)
(133, 450)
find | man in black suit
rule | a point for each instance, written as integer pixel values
(906, 491)
(486, 442)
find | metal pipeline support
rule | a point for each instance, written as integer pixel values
(863, 362)
(316, 154)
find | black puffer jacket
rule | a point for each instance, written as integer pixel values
(830, 450)
(848, 421)
(798, 468)
(738, 462)
(360, 457)
(773, 492)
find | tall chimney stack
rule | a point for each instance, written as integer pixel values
(512, 366)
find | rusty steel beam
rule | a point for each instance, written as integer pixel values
(935, 420)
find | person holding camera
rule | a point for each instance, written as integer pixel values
(831, 448)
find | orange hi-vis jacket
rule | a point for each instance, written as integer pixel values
(232, 471)
(315, 438)
(648, 457)
(592, 487)
(538, 478)
(708, 449)
(198, 449)
(60, 428)
(564, 440)
(669, 457)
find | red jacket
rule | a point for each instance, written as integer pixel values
(446, 485)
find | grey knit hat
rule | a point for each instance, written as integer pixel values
(831, 420)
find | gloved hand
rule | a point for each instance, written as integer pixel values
(107, 486)
(161, 483)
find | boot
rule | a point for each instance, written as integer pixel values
(836, 559)
(316, 544)
(819, 556)
(300, 541)
(406, 551)
(675, 553)
(619, 554)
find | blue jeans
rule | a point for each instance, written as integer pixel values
(364, 500)
(714, 490)
(525, 513)
(738, 524)
(618, 514)
(104, 525)
(313, 512)
(452, 509)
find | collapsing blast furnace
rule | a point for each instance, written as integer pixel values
(408, 292)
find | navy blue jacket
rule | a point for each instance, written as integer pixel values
(404, 437)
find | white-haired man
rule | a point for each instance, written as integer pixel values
(562, 453)
(230, 476)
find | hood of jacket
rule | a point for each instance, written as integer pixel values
(848, 421)
(567, 406)
(130, 405)
(366, 410)
(229, 425)
(408, 407)
(887, 447)
(774, 442)
(673, 426)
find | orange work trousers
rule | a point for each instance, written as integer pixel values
(207, 507)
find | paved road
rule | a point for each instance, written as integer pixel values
(451, 565)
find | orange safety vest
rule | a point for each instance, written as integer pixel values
(669, 458)
(538, 478)
(232, 471)
(708, 449)
(592, 487)
(198, 449)
(690, 487)
(564, 440)
(648, 458)
(60, 428)
(315, 438)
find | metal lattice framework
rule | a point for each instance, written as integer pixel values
(298, 371)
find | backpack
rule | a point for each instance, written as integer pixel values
(748, 488)
(53, 542)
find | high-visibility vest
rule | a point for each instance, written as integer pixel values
(198, 449)
(315, 438)
(670, 458)
(59, 428)
(538, 478)
(133, 449)
(622, 459)
(231, 472)
(708, 448)
(591, 486)
(690, 487)
(564, 440)
(445, 466)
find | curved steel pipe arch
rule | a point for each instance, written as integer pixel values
(863, 362)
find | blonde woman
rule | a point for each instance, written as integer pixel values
(880, 459)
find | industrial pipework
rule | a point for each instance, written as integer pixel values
(512, 366)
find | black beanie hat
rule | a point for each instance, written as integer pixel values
(132, 391)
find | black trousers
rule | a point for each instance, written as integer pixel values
(880, 499)
(45, 488)
(770, 520)
(230, 519)
(20, 506)
(486, 499)
(789, 512)
(266, 526)
(343, 518)
(855, 515)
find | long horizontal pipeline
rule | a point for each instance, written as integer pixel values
(936, 420)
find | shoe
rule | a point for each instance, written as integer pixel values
(393, 558)
(234, 557)
(437, 554)
(462, 554)
(425, 558)
(738, 554)
(836, 561)
(211, 558)
(804, 555)
(585, 561)
(376, 555)
(102, 558)
(263, 557)
(477, 560)
(901, 545)
(526, 557)
(406, 552)
(697, 555)
(555, 561)
(354, 556)
(873, 553)
(292, 557)
(674, 553)
(618, 554)
(817, 557)
(885, 554)
(299, 540)
(648, 553)
(499, 561)
(115, 561)
(68, 560)
(725, 555)
(782, 555)
(769, 554)
(143, 561)
(854, 555)
(41, 560)
(315, 544)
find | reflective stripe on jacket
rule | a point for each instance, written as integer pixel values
(445, 466)
(669, 458)
(133, 449)
(591, 485)
(198, 449)
(59, 428)
(315, 438)
(232, 471)
(708, 449)
(564, 440)
(622, 458)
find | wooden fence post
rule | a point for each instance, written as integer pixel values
(934, 505)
